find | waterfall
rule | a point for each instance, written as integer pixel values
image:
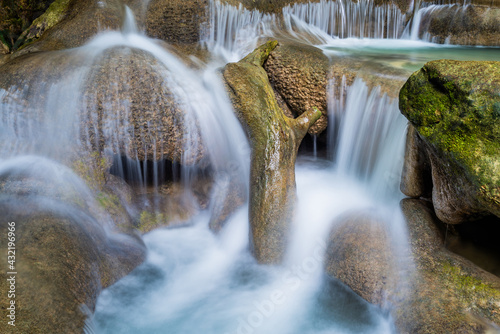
(233, 31)
(345, 19)
(371, 139)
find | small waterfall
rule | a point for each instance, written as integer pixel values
(233, 31)
(371, 139)
(345, 18)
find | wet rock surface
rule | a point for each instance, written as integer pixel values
(454, 107)
(65, 253)
(299, 74)
(274, 141)
(431, 291)
(464, 25)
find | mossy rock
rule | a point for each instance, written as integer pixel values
(455, 107)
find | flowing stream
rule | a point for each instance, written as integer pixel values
(194, 281)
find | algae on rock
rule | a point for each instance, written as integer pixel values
(455, 107)
(274, 140)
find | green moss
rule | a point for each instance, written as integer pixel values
(151, 220)
(108, 201)
(93, 169)
(467, 287)
(455, 106)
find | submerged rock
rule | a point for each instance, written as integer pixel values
(274, 141)
(360, 255)
(455, 108)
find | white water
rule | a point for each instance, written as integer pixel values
(194, 281)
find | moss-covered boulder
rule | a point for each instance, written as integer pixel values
(455, 108)
(274, 140)
(449, 294)
(71, 23)
(15, 17)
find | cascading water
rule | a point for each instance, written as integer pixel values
(194, 281)
(344, 19)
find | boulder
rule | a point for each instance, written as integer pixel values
(274, 140)
(65, 253)
(416, 179)
(455, 108)
(299, 74)
(178, 21)
(450, 294)
(138, 116)
(427, 289)
(360, 254)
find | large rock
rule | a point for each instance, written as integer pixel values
(123, 98)
(274, 141)
(450, 294)
(71, 23)
(455, 108)
(427, 289)
(138, 115)
(299, 74)
(416, 179)
(464, 25)
(65, 242)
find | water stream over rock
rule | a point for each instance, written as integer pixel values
(110, 95)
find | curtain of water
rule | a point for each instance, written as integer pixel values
(233, 31)
(344, 19)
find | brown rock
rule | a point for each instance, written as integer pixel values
(274, 140)
(416, 177)
(151, 125)
(442, 293)
(360, 255)
(299, 73)
(465, 25)
(64, 253)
